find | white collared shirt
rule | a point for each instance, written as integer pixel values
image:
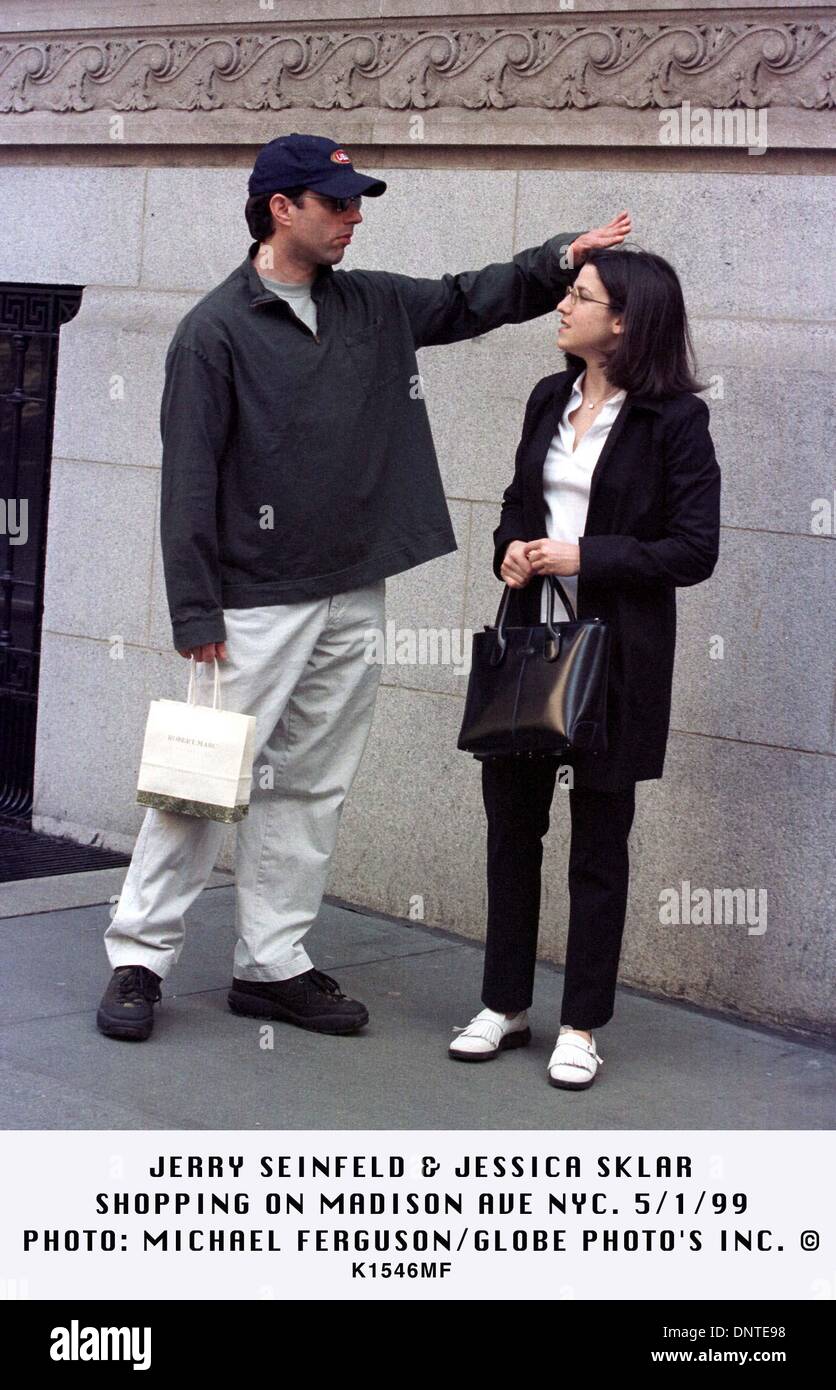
(566, 479)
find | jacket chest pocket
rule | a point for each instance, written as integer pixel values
(370, 356)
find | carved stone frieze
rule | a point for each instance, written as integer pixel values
(584, 64)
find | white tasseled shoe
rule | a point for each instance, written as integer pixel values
(488, 1034)
(575, 1062)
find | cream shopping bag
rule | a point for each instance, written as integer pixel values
(197, 759)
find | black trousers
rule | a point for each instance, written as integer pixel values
(517, 793)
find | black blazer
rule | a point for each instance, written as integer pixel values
(653, 523)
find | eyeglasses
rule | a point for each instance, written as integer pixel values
(578, 298)
(338, 204)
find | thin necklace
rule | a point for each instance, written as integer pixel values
(592, 404)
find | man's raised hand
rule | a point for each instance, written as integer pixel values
(600, 238)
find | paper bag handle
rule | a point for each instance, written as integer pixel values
(216, 692)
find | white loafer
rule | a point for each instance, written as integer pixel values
(574, 1063)
(488, 1034)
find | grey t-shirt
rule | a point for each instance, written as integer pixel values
(297, 296)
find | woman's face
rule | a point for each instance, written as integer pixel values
(587, 326)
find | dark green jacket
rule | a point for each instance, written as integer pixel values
(297, 466)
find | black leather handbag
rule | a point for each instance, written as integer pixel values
(537, 689)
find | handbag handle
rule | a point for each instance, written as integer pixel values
(554, 586)
(216, 691)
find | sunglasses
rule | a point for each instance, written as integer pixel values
(337, 204)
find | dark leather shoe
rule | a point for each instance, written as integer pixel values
(311, 1000)
(127, 1007)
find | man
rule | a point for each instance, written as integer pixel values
(298, 472)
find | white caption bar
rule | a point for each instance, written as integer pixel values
(404, 1214)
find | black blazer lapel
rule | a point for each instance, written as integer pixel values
(612, 439)
(560, 400)
(562, 392)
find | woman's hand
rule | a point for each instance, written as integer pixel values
(515, 569)
(553, 557)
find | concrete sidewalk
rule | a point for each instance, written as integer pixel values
(666, 1066)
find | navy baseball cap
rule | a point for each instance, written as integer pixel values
(312, 161)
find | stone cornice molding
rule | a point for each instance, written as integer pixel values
(567, 80)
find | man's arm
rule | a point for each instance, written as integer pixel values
(689, 551)
(475, 301)
(511, 527)
(195, 413)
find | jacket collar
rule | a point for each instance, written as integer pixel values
(563, 390)
(258, 295)
(641, 402)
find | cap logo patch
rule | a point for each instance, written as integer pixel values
(340, 157)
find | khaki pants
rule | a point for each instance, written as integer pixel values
(302, 670)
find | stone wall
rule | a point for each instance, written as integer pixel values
(126, 133)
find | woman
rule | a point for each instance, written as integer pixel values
(616, 490)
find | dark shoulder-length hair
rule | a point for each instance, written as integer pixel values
(654, 355)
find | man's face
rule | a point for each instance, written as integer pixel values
(315, 230)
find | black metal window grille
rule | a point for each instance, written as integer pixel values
(30, 321)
